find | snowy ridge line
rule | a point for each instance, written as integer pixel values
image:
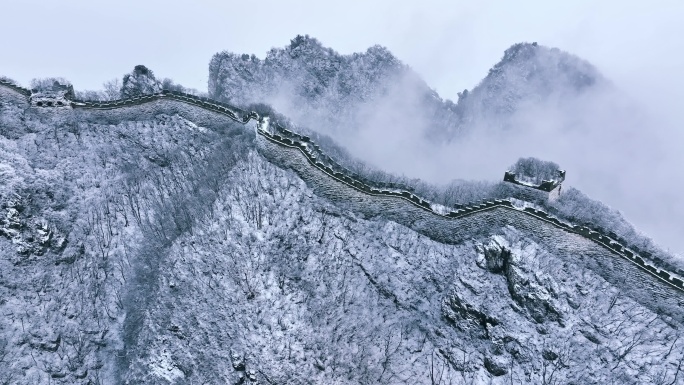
(312, 153)
(24, 91)
(315, 155)
(232, 112)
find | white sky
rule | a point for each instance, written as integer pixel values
(451, 44)
(639, 45)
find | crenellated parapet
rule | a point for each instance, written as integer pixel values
(64, 98)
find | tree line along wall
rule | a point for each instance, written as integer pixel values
(614, 261)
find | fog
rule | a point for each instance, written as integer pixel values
(616, 147)
(622, 146)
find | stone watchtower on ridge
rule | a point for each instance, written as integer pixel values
(535, 179)
(52, 93)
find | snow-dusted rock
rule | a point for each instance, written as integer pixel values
(140, 82)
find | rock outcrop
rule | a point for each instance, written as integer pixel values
(140, 82)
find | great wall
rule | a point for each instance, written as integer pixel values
(661, 290)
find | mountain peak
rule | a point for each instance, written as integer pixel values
(306, 69)
(520, 50)
(304, 40)
(140, 82)
(526, 74)
(530, 61)
(315, 85)
(303, 45)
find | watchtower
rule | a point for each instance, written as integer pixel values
(53, 95)
(536, 179)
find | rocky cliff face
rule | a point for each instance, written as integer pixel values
(145, 248)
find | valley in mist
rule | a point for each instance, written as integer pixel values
(618, 147)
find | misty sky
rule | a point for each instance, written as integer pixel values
(638, 45)
(450, 43)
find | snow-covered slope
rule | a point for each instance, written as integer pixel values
(153, 243)
(303, 292)
(528, 74)
(317, 87)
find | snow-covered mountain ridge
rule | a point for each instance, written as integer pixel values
(441, 230)
(197, 261)
(289, 139)
(316, 86)
(333, 170)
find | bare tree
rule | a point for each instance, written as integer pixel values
(112, 89)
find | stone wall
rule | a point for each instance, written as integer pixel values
(210, 113)
(656, 288)
(7, 86)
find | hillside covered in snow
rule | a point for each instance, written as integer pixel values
(163, 240)
(536, 101)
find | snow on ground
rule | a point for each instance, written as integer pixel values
(191, 259)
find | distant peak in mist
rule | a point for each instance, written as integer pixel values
(529, 73)
(536, 60)
(542, 60)
(306, 47)
(306, 70)
(315, 85)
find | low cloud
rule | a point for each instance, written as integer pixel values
(613, 146)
